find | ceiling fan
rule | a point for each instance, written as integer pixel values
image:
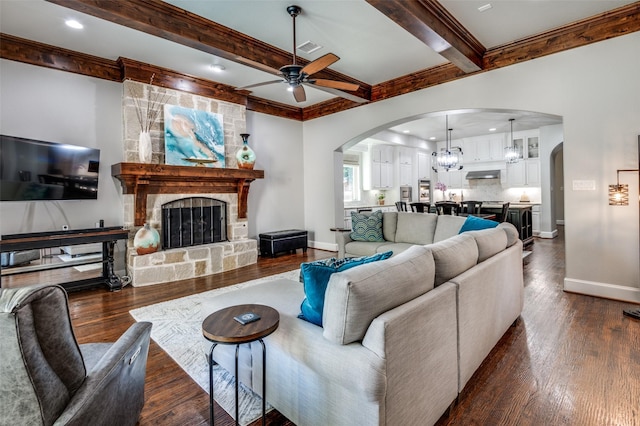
(297, 76)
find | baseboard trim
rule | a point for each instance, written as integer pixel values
(607, 291)
(551, 234)
(323, 246)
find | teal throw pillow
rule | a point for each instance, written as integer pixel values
(474, 223)
(315, 278)
(367, 227)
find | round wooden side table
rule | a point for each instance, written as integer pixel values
(221, 328)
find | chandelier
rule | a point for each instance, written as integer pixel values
(448, 159)
(511, 152)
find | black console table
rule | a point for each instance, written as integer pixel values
(107, 236)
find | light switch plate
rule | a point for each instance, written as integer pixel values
(584, 185)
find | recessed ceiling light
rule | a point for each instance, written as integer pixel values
(217, 68)
(405, 131)
(493, 129)
(74, 24)
(485, 7)
(432, 138)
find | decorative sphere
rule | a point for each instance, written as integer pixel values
(146, 240)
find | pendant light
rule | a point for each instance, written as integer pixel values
(511, 152)
(450, 158)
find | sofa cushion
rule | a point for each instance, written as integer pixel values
(356, 296)
(389, 225)
(415, 228)
(453, 256)
(447, 227)
(394, 247)
(367, 227)
(315, 276)
(490, 242)
(474, 223)
(362, 248)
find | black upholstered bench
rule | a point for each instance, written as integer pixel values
(279, 241)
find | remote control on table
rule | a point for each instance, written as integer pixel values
(247, 318)
(633, 313)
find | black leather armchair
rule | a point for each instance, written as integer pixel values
(47, 378)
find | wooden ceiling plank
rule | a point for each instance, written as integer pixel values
(432, 24)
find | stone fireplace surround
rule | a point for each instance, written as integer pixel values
(189, 262)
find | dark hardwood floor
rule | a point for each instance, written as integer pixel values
(570, 360)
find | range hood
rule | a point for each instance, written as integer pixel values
(483, 174)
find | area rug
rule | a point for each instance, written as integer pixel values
(177, 329)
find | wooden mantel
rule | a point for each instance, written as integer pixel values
(142, 179)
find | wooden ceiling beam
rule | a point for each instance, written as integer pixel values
(432, 24)
(172, 23)
(34, 53)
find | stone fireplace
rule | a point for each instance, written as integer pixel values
(149, 187)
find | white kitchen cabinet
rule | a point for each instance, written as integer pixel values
(528, 143)
(424, 166)
(405, 155)
(523, 173)
(382, 175)
(406, 170)
(453, 178)
(382, 154)
(535, 220)
(378, 171)
(481, 149)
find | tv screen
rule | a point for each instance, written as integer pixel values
(39, 170)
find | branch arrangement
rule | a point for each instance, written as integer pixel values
(155, 100)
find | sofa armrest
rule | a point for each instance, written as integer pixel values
(113, 392)
(343, 236)
(419, 342)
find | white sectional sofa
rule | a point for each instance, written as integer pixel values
(402, 230)
(400, 339)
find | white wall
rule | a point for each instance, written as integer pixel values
(56, 106)
(276, 202)
(594, 88)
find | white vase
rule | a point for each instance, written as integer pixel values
(144, 147)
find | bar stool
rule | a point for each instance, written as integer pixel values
(447, 207)
(471, 207)
(401, 206)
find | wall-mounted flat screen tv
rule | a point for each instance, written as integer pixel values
(39, 170)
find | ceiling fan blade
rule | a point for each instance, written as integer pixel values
(299, 94)
(341, 85)
(258, 65)
(320, 64)
(340, 93)
(259, 84)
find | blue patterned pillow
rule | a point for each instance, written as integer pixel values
(367, 227)
(315, 278)
(474, 223)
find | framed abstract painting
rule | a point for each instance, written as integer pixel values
(193, 137)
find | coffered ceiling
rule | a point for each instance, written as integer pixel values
(389, 47)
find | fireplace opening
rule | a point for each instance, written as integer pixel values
(193, 221)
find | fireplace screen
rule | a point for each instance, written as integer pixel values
(193, 221)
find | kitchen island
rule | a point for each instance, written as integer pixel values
(519, 214)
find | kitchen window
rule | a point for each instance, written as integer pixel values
(351, 182)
